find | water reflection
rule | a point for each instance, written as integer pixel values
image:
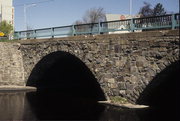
(49, 105)
(52, 106)
(14, 106)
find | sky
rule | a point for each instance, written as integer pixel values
(53, 13)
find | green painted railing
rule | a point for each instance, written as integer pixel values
(170, 21)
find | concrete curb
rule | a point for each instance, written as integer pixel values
(17, 88)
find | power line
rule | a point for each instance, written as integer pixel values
(44, 1)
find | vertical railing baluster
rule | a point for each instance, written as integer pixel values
(99, 27)
(52, 32)
(173, 21)
(34, 31)
(73, 30)
(132, 25)
(19, 35)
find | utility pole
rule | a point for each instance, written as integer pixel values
(130, 7)
(30, 5)
(1, 14)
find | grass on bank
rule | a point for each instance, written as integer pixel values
(118, 100)
(6, 40)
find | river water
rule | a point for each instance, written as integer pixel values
(22, 105)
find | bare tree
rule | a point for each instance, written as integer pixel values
(79, 27)
(90, 20)
(146, 10)
(94, 15)
(78, 22)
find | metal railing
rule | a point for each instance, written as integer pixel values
(3, 39)
(170, 21)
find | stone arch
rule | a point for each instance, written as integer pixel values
(163, 89)
(63, 72)
(162, 94)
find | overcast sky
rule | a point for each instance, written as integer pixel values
(51, 13)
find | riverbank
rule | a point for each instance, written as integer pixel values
(125, 105)
(110, 102)
(17, 88)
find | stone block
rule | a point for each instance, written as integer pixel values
(112, 80)
(112, 85)
(120, 79)
(163, 44)
(117, 48)
(129, 86)
(122, 62)
(127, 79)
(162, 49)
(137, 52)
(122, 92)
(151, 72)
(122, 86)
(139, 64)
(161, 66)
(117, 63)
(133, 70)
(134, 79)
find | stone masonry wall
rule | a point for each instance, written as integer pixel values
(11, 64)
(123, 64)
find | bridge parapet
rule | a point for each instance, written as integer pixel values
(163, 22)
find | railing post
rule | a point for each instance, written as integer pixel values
(19, 35)
(52, 32)
(16, 35)
(34, 34)
(99, 27)
(132, 25)
(73, 30)
(173, 21)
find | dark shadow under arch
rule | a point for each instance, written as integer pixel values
(63, 72)
(66, 89)
(163, 93)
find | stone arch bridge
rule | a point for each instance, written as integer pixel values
(132, 65)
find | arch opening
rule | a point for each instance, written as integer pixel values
(163, 93)
(66, 89)
(65, 73)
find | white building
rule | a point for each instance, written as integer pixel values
(7, 11)
(119, 26)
